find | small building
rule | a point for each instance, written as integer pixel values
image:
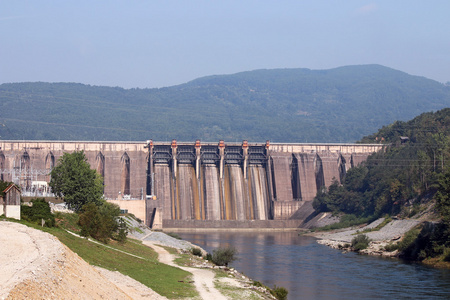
(404, 139)
(10, 203)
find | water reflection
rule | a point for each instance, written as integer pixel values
(312, 271)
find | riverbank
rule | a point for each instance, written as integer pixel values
(381, 239)
(388, 234)
(211, 281)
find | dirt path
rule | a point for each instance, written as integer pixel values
(203, 279)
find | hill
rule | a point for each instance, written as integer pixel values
(410, 178)
(405, 173)
(283, 105)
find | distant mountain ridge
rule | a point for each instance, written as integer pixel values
(282, 105)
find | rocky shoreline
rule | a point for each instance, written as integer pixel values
(379, 239)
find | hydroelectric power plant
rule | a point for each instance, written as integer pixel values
(196, 185)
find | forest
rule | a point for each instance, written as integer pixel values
(281, 105)
(412, 170)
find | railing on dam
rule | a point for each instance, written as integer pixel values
(188, 153)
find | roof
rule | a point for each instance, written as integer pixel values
(12, 185)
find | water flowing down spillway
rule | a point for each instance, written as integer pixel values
(187, 196)
(209, 197)
(163, 189)
(211, 192)
(259, 194)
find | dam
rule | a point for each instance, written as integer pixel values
(196, 185)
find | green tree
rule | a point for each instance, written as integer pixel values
(224, 256)
(3, 186)
(443, 198)
(102, 222)
(360, 242)
(74, 180)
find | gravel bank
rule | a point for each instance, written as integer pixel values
(393, 230)
(143, 233)
(166, 240)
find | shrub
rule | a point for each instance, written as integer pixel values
(122, 231)
(257, 284)
(224, 256)
(100, 222)
(209, 256)
(447, 254)
(408, 240)
(360, 242)
(174, 235)
(196, 251)
(279, 292)
(40, 210)
(391, 247)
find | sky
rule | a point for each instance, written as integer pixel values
(160, 43)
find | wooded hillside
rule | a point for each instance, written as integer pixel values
(282, 105)
(416, 157)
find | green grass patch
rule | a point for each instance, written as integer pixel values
(137, 229)
(386, 221)
(174, 235)
(68, 221)
(347, 221)
(391, 247)
(233, 292)
(408, 239)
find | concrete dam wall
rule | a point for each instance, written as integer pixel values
(196, 184)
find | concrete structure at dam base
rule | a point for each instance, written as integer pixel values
(196, 185)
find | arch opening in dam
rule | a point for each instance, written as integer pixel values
(196, 183)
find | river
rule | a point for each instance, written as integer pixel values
(313, 271)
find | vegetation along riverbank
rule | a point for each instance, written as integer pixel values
(402, 192)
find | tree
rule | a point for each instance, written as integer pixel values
(443, 198)
(74, 180)
(3, 186)
(102, 222)
(224, 256)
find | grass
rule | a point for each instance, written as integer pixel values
(345, 222)
(233, 292)
(161, 278)
(174, 235)
(137, 229)
(386, 221)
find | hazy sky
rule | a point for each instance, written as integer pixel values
(162, 43)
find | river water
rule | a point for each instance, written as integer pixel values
(313, 271)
